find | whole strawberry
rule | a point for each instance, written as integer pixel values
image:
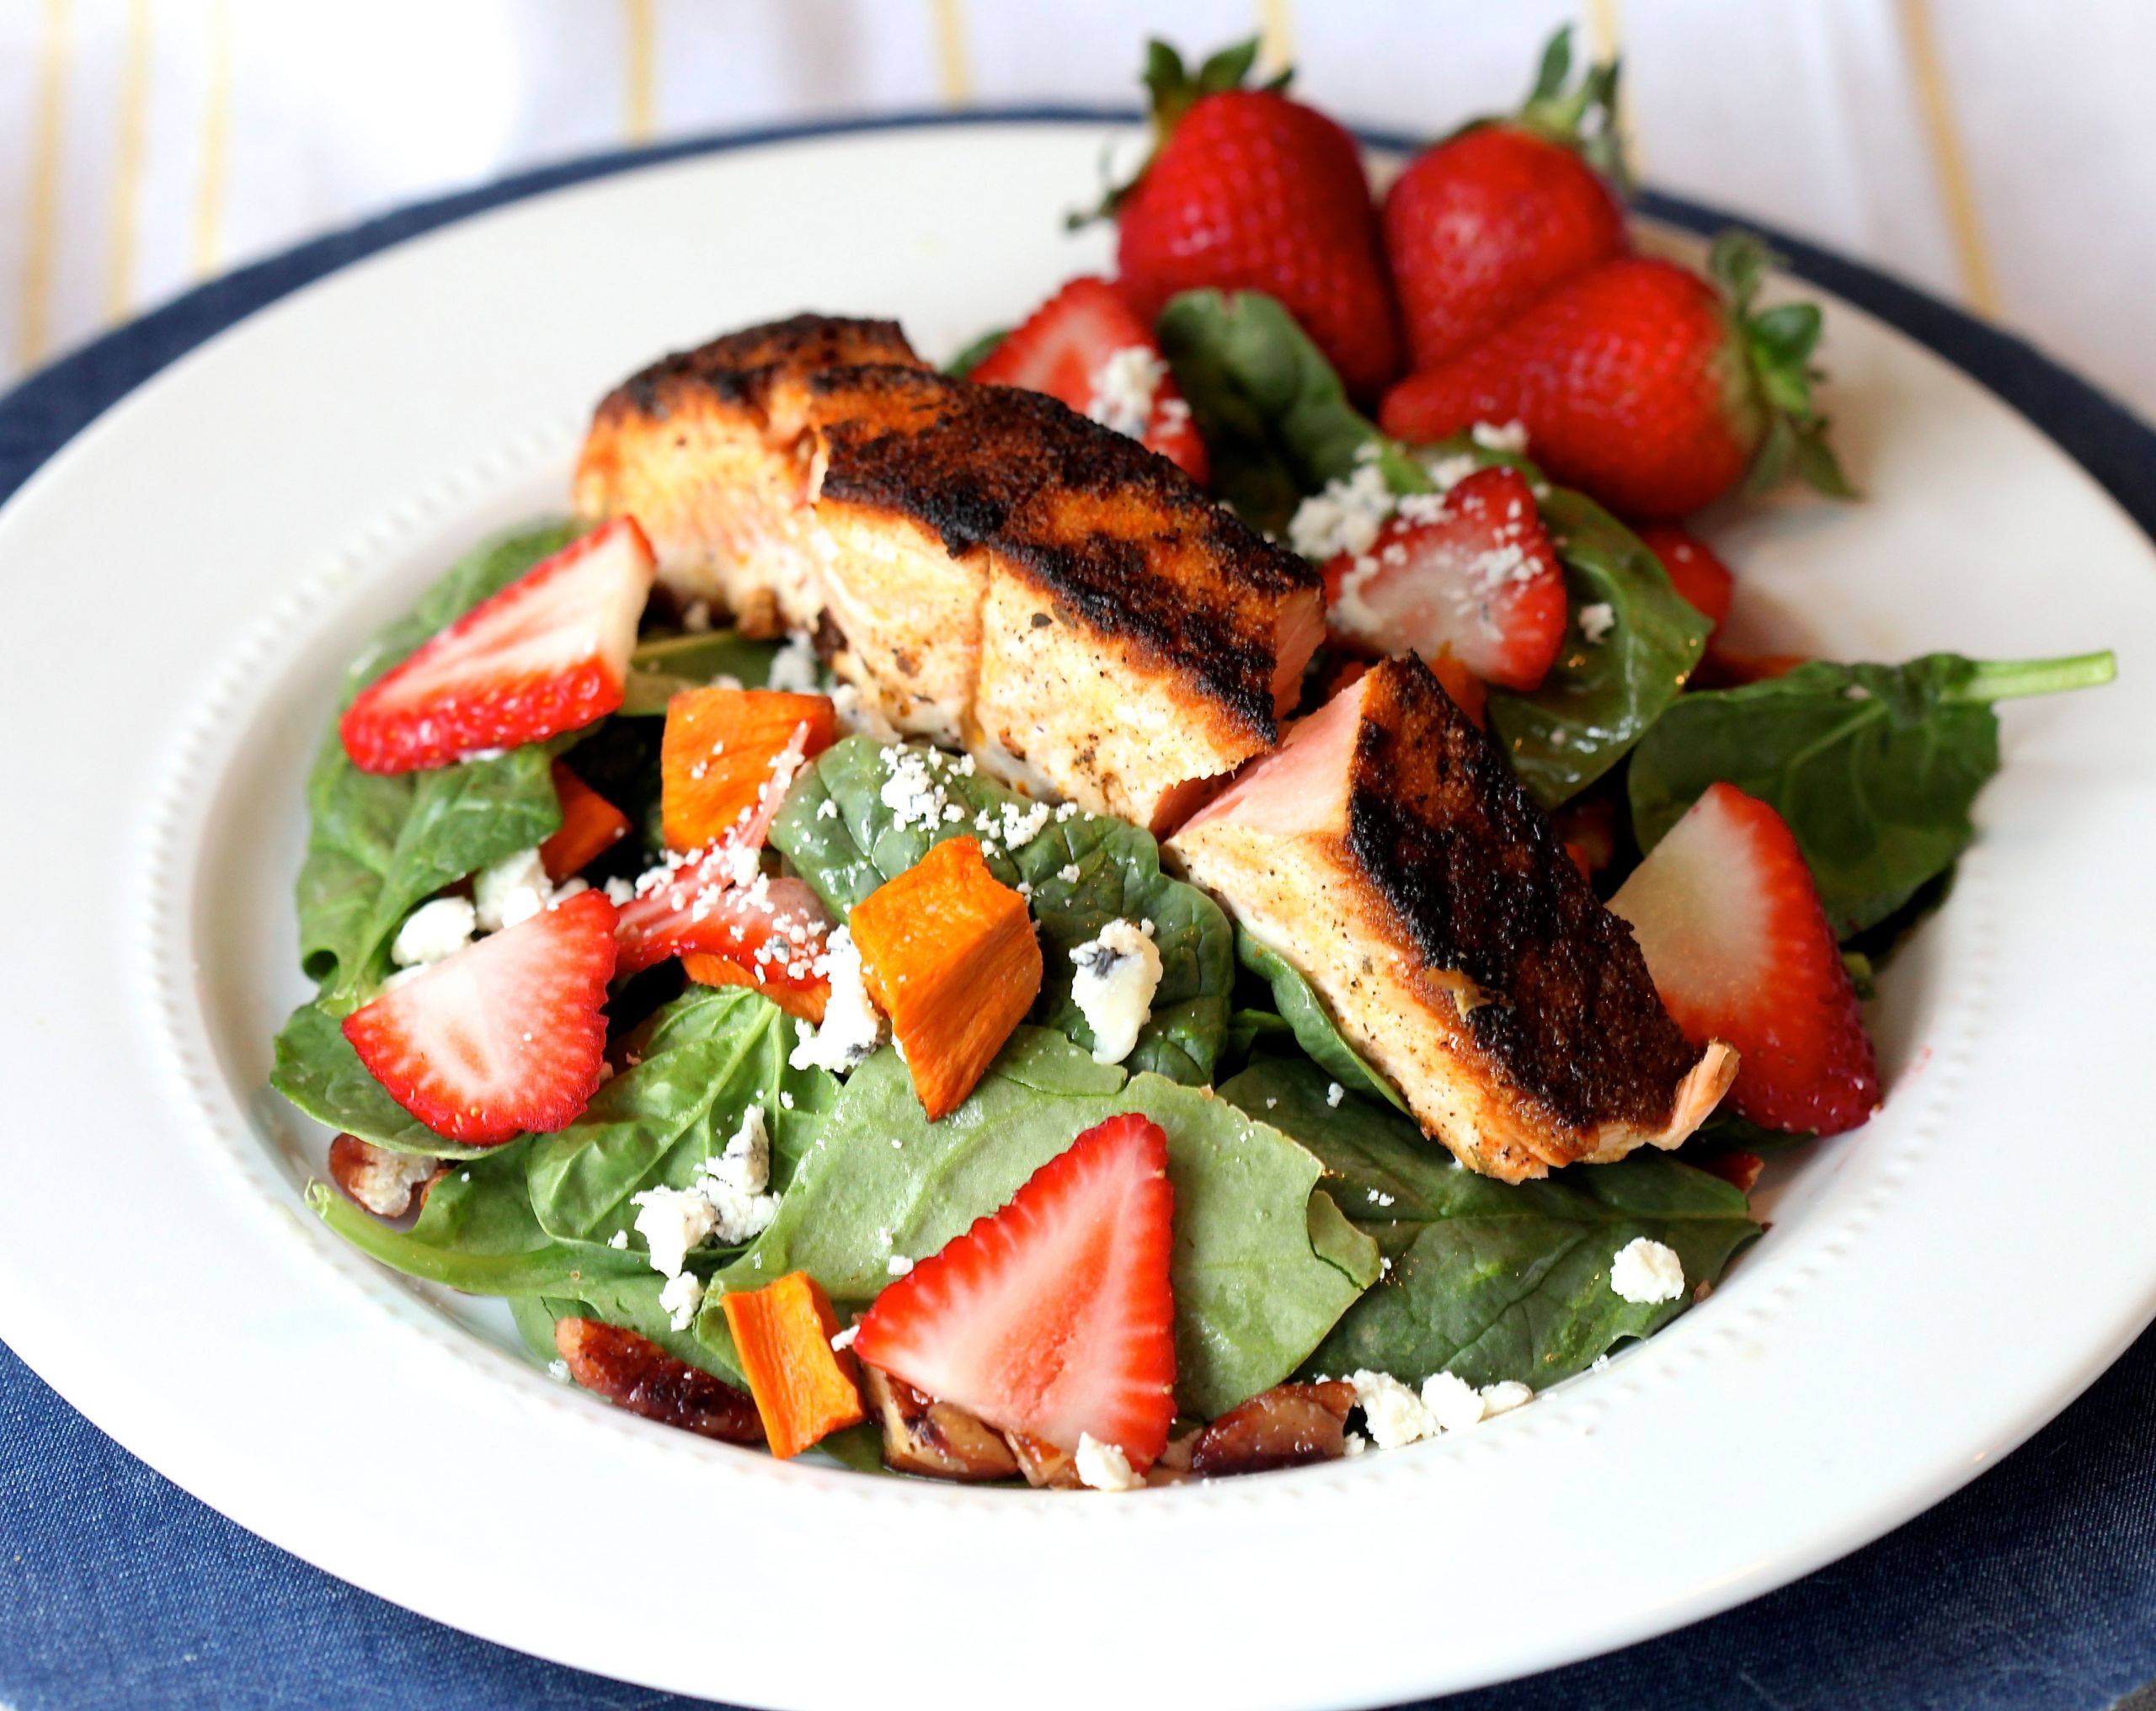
(1248, 190)
(1481, 225)
(1654, 389)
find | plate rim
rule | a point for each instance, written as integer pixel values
(376, 239)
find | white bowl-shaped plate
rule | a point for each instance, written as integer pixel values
(177, 590)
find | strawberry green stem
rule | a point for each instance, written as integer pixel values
(2009, 679)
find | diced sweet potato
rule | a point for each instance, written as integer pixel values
(590, 826)
(939, 1440)
(1286, 1426)
(1464, 686)
(635, 1372)
(805, 1389)
(709, 968)
(947, 952)
(718, 752)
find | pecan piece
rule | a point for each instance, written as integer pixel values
(1286, 1426)
(385, 1183)
(1042, 1463)
(938, 1439)
(635, 1374)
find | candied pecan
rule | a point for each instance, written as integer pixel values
(384, 1182)
(1283, 1428)
(635, 1374)
(1042, 1463)
(1740, 1170)
(938, 1439)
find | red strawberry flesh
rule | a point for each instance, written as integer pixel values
(1054, 1316)
(1727, 914)
(549, 654)
(505, 1036)
(1086, 346)
(1703, 581)
(1471, 572)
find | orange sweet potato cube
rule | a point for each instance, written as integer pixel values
(804, 1389)
(947, 952)
(718, 751)
(590, 826)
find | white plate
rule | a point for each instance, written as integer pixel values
(182, 583)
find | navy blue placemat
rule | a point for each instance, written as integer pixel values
(2033, 1589)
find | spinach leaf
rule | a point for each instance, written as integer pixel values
(477, 1233)
(1254, 1290)
(662, 667)
(1314, 1030)
(1276, 420)
(1600, 698)
(317, 1068)
(1280, 427)
(703, 1060)
(1085, 871)
(1874, 767)
(376, 845)
(1487, 1279)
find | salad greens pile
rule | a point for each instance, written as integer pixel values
(1316, 1230)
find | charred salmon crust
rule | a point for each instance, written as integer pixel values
(740, 368)
(1476, 876)
(1114, 535)
(1387, 852)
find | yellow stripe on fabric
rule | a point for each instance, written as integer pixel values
(1276, 34)
(640, 30)
(127, 164)
(215, 165)
(40, 242)
(1957, 192)
(953, 67)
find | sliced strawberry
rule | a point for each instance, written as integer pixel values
(549, 654)
(1730, 923)
(1470, 570)
(772, 929)
(1087, 346)
(504, 1035)
(1052, 1317)
(1703, 581)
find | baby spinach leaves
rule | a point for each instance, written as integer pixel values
(1083, 871)
(1486, 1279)
(1315, 1031)
(1874, 767)
(701, 1061)
(378, 845)
(1600, 697)
(1280, 427)
(1264, 1266)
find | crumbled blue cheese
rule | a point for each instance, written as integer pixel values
(1346, 517)
(1334, 1093)
(1123, 390)
(513, 890)
(898, 1266)
(679, 1299)
(726, 1201)
(1454, 1404)
(695, 617)
(620, 893)
(432, 932)
(1646, 1271)
(1102, 1467)
(672, 1221)
(1504, 1396)
(1117, 972)
(736, 1182)
(1597, 621)
(911, 792)
(1508, 437)
(853, 1026)
(1395, 1414)
(795, 668)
